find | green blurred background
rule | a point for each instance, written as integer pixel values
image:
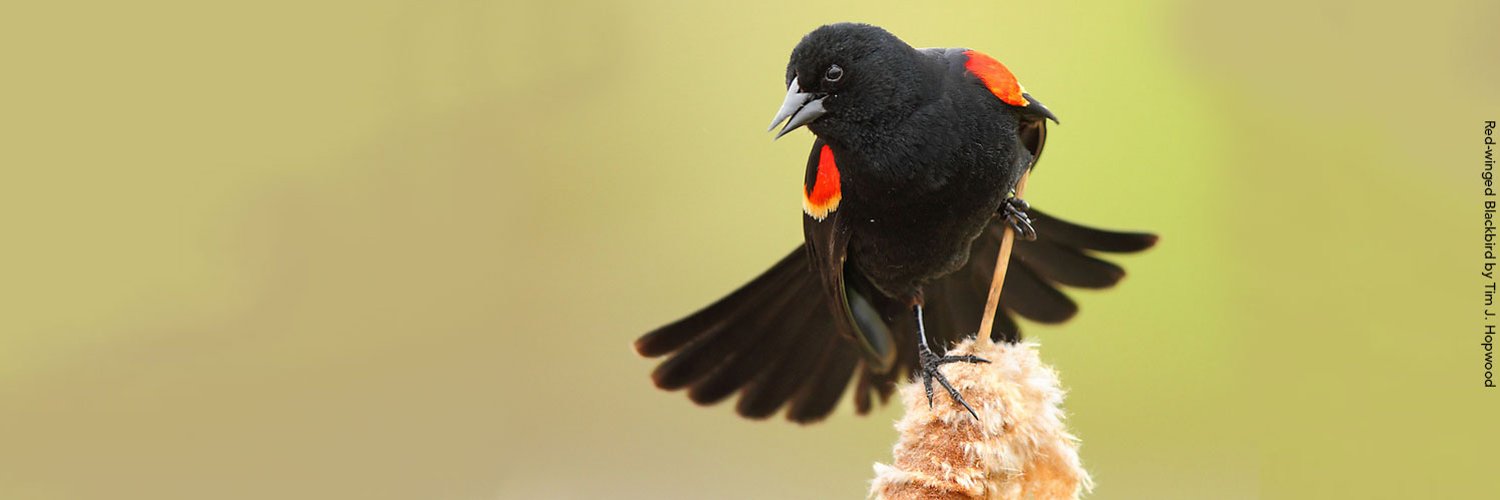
(399, 250)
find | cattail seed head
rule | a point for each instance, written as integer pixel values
(1019, 447)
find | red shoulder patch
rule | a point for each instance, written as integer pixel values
(996, 77)
(823, 195)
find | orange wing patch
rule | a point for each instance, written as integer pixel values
(822, 197)
(996, 77)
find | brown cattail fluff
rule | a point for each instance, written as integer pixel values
(1019, 447)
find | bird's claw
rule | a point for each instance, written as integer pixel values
(930, 362)
(1014, 212)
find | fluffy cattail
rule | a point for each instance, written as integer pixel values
(1018, 448)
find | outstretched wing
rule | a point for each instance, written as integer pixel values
(773, 341)
(788, 336)
(798, 333)
(1063, 255)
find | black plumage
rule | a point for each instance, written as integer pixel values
(907, 188)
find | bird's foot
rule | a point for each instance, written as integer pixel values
(930, 362)
(1014, 212)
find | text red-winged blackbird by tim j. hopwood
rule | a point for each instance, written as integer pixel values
(906, 197)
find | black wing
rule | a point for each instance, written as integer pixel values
(772, 340)
(785, 337)
(797, 333)
(1063, 255)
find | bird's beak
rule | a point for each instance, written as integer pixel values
(799, 108)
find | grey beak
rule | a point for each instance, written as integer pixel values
(799, 108)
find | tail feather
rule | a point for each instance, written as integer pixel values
(862, 390)
(958, 312)
(1005, 329)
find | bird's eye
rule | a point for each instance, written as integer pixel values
(834, 73)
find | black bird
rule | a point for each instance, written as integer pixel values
(917, 154)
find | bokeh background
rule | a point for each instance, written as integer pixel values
(399, 249)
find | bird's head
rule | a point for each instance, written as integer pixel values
(848, 75)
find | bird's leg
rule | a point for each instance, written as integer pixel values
(931, 361)
(1014, 211)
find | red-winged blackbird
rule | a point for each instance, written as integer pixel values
(916, 156)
